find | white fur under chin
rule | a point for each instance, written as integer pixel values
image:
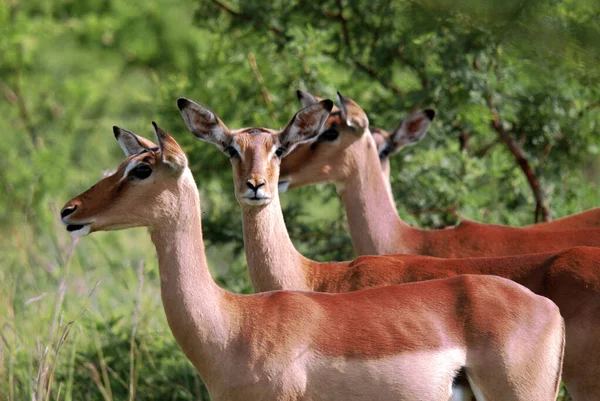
(85, 230)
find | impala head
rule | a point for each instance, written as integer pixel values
(345, 136)
(255, 153)
(141, 192)
(324, 160)
(411, 130)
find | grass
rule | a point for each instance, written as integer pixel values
(78, 324)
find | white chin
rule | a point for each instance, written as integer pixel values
(282, 186)
(256, 202)
(85, 230)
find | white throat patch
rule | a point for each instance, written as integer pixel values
(83, 231)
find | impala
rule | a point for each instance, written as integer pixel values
(352, 163)
(410, 131)
(413, 129)
(570, 278)
(405, 342)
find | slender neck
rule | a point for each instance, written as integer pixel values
(375, 227)
(385, 168)
(273, 261)
(386, 172)
(193, 303)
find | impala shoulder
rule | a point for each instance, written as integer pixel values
(579, 265)
(586, 254)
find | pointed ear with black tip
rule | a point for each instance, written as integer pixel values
(307, 99)
(131, 143)
(203, 123)
(355, 117)
(412, 129)
(171, 153)
(306, 125)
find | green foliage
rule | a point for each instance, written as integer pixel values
(70, 70)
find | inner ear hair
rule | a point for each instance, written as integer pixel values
(306, 125)
(413, 128)
(306, 98)
(131, 143)
(203, 123)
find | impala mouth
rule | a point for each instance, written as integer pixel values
(75, 227)
(256, 200)
(79, 229)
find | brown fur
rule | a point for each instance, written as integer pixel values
(588, 219)
(279, 345)
(274, 263)
(375, 227)
(570, 278)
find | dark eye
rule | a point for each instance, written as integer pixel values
(329, 136)
(280, 152)
(385, 152)
(231, 152)
(141, 172)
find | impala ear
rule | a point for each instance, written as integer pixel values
(131, 143)
(171, 153)
(412, 129)
(204, 123)
(355, 117)
(306, 125)
(307, 99)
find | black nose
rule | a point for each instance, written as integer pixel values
(253, 186)
(67, 210)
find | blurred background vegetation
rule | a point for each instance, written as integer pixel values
(84, 321)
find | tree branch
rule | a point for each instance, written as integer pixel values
(464, 139)
(416, 68)
(540, 208)
(375, 74)
(244, 17)
(346, 38)
(261, 83)
(229, 10)
(483, 151)
(344, 23)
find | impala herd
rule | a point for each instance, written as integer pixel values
(407, 320)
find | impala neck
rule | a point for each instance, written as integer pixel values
(193, 303)
(273, 261)
(385, 169)
(375, 227)
(386, 172)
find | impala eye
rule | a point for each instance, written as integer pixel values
(329, 136)
(231, 152)
(385, 152)
(141, 172)
(280, 152)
